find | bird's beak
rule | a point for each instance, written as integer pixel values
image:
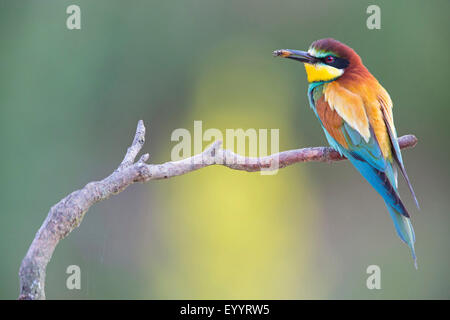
(298, 55)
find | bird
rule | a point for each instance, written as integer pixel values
(355, 113)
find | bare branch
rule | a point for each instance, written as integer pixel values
(67, 214)
(136, 146)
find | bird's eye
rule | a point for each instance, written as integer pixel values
(329, 59)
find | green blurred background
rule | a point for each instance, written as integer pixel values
(70, 101)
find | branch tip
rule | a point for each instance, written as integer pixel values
(144, 157)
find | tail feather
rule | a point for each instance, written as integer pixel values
(404, 229)
(385, 183)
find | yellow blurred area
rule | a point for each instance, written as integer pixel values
(235, 234)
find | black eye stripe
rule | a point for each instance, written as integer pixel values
(338, 62)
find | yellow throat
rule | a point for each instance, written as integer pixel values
(321, 72)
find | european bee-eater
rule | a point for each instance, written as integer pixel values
(355, 112)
